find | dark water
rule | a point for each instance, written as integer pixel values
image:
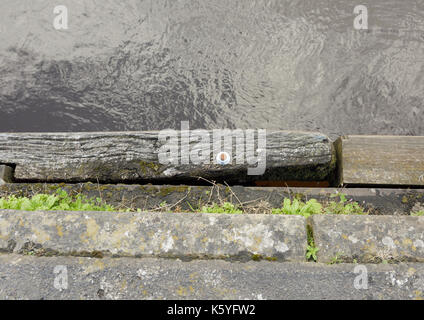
(147, 65)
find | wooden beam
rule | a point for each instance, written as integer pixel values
(6, 174)
(380, 160)
(133, 156)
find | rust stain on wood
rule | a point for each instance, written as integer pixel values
(293, 184)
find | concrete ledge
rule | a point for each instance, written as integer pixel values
(24, 277)
(368, 238)
(187, 236)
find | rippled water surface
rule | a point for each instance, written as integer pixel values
(147, 65)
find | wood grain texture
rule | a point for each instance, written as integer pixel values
(6, 174)
(381, 160)
(133, 156)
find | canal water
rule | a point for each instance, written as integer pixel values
(274, 64)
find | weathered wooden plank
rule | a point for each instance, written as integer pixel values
(381, 160)
(133, 156)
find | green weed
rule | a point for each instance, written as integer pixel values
(226, 207)
(297, 207)
(59, 201)
(418, 214)
(343, 206)
(311, 249)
